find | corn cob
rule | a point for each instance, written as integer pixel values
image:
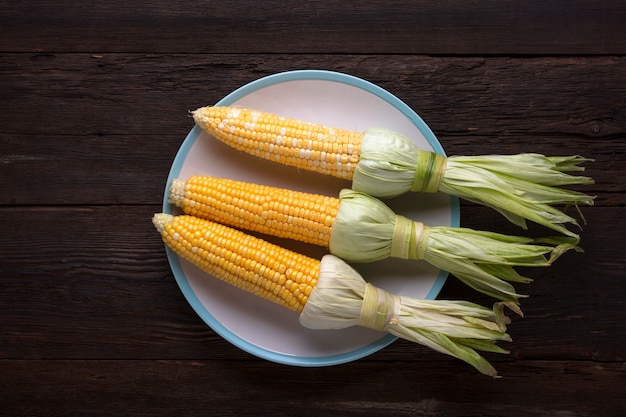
(359, 228)
(384, 164)
(329, 294)
(309, 146)
(289, 214)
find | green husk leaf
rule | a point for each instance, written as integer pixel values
(521, 187)
(363, 231)
(532, 167)
(363, 228)
(386, 165)
(456, 328)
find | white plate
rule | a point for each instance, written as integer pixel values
(263, 328)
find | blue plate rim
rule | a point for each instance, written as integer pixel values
(176, 167)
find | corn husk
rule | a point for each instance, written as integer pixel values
(340, 298)
(456, 328)
(365, 228)
(521, 187)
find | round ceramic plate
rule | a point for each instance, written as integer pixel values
(258, 326)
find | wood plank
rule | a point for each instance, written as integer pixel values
(364, 388)
(94, 282)
(462, 96)
(85, 169)
(93, 107)
(115, 152)
(295, 27)
(133, 169)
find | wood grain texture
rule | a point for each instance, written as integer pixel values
(118, 147)
(292, 26)
(94, 101)
(364, 388)
(139, 94)
(100, 286)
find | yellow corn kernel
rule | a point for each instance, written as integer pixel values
(270, 210)
(252, 264)
(314, 147)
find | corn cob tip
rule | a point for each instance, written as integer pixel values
(160, 220)
(198, 115)
(177, 192)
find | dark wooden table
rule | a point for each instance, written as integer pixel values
(93, 108)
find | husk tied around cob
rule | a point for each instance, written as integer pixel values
(359, 228)
(384, 163)
(329, 294)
